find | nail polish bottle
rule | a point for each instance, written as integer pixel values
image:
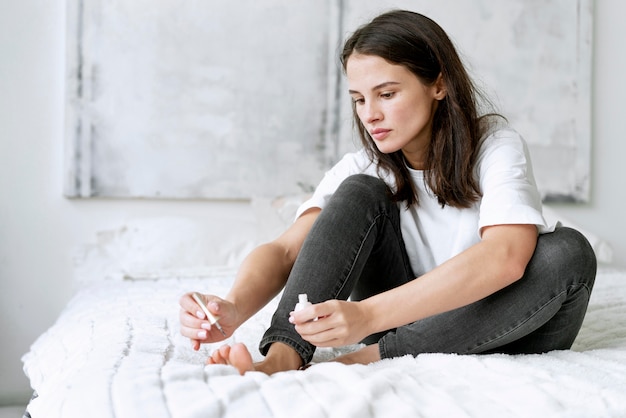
(303, 302)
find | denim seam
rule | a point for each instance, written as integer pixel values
(382, 349)
(578, 286)
(356, 254)
(473, 351)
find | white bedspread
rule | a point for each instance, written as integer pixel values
(116, 351)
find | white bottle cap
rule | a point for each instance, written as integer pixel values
(302, 298)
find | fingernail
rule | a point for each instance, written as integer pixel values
(206, 325)
(200, 314)
(291, 320)
(202, 335)
(214, 306)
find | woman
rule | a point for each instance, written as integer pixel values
(434, 230)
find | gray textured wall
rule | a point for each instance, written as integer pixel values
(240, 99)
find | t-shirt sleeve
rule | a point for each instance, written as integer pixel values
(510, 194)
(350, 164)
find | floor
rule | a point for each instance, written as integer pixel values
(12, 411)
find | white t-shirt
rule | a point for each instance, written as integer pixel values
(433, 234)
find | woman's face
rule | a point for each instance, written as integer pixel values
(394, 106)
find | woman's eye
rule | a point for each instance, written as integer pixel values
(358, 100)
(387, 95)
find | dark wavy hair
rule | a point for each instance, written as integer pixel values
(421, 45)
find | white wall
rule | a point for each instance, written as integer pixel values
(39, 228)
(604, 215)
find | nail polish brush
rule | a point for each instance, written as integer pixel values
(212, 319)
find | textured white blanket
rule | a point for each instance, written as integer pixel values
(116, 351)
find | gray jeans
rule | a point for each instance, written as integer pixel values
(355, 249)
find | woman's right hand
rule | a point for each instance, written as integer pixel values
(195, 325)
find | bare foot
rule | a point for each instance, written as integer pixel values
(237, 356)
(366, 355)
(280, 357)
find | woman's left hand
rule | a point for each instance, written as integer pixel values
(333, 323)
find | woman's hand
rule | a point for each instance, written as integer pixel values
(195, 325)
(333, 323)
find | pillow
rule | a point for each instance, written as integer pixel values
(164, 247)
(183, 247)
(158, 247)
(275, 214)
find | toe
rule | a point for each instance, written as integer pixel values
(240, 358)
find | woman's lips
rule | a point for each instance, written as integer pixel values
(380, 133)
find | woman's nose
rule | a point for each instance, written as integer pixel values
(371, 113)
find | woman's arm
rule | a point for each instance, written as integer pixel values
(264, 272)
(488, 266)
(494, 263)
(261, 276)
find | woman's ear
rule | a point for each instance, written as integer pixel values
(440, 88)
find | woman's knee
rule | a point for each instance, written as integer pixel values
(364, 183)
(361, 188)
(576, 247)
(567, 249)
(361, 196)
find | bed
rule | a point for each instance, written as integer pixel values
(116, 351)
